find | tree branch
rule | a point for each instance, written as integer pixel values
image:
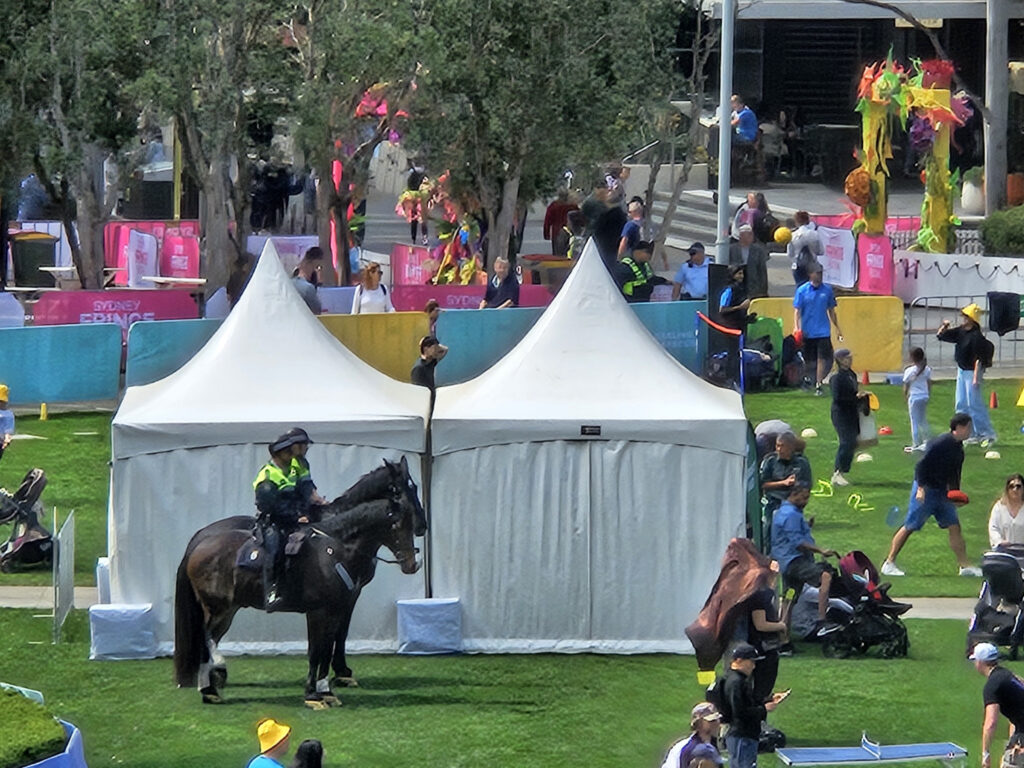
(940, 52)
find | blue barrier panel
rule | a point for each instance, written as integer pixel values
(674, 324)
(477, 339)
(61, 363)
(157, 348)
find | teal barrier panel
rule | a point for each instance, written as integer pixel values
(477, 339)
(61, 363)
(157, 348)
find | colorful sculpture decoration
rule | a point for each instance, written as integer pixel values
(882, 102)
(888, 93)
(934, 111)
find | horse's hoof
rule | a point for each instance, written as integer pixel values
(219, 677)
(317, 705)
(331, 700)
(344, 682)
(210, 696)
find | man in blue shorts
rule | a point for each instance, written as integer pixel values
(936, 474)
(814, 305)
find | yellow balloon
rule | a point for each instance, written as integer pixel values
(783, 235)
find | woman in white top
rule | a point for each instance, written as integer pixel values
(1006, 524)
(370, 295)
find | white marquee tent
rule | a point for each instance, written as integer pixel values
(186, 449)
(584, 488)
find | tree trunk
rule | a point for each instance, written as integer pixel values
(90, 217)
(219, 251)
(497, 242)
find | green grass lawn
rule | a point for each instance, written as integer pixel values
(885, 481)
(545, 711)
(78, 474)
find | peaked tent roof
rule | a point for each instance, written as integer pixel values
(588, 362)
(270, 366)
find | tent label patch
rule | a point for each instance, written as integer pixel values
(590, 430)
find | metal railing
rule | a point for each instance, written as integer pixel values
(923, 316)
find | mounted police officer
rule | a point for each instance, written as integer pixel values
(283, 489)
(635, 276)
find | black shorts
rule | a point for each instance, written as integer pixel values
(806, 570)
(818, 349)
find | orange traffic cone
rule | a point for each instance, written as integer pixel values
(864, 379)
(993, 401)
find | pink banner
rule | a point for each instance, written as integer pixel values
(179, 256)
(121, 307)
(876, 271)
(834, 220)
(407, 264)
(115, 240)
(412, 298)
(902, 224)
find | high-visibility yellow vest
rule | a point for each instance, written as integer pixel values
(642, 274)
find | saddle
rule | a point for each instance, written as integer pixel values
(251, 554)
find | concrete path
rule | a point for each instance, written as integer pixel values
(41, 598)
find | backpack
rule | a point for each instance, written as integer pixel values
(805, 258)
(764, 228)
(716, 695)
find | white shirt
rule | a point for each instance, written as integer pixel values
(918, 383)
(366, 301)
(1003, 527)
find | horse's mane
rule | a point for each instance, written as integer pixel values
(350, 522)
(369, 487)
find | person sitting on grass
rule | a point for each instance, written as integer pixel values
(702, 743)
(936, 474)
(275, 739)
(794, 548)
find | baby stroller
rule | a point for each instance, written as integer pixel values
(869, 617)
(29, 543)
(998, 616)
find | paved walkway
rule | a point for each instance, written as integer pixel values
(41, 598)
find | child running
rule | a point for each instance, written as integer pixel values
(917, 389)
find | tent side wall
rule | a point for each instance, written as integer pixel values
(607, 546)
(159, 500)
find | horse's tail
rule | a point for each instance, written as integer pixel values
(188, 629)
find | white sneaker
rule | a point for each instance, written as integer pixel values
(838, 479)
(890, 568)
(971, 570)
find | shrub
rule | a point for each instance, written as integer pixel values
(31, 732)
(1003, 232)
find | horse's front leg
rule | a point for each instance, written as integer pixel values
(320, 629)
(342, 673)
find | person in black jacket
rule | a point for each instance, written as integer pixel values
(973, 354)
(936, 474)
(845, 419)
(741, 710)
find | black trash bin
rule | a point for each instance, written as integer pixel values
(30, 251)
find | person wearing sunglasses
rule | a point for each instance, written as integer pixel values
(1005, 523)
(371, 295)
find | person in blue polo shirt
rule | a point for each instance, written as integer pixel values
(691, 279)
(814, 314)
(793, 547)
(744, 122)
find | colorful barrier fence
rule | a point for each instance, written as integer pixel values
(872, 327)
(61, 363)
(120, 307)
(413, 298)
(158, 349)
(389, 342)
(478, 339)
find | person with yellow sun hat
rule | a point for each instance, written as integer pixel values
(275, 740)
(973, 354)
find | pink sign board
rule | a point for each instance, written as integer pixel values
(121, 307)
(834, 220)
(407, 264)
(875, 260)
(179, 256)
(412, 298)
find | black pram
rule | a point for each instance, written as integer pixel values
(29, 543)
(998, 616)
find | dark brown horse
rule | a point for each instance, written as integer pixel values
(336, 561)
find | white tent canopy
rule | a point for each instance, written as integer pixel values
(584, 487)
(186, 449)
